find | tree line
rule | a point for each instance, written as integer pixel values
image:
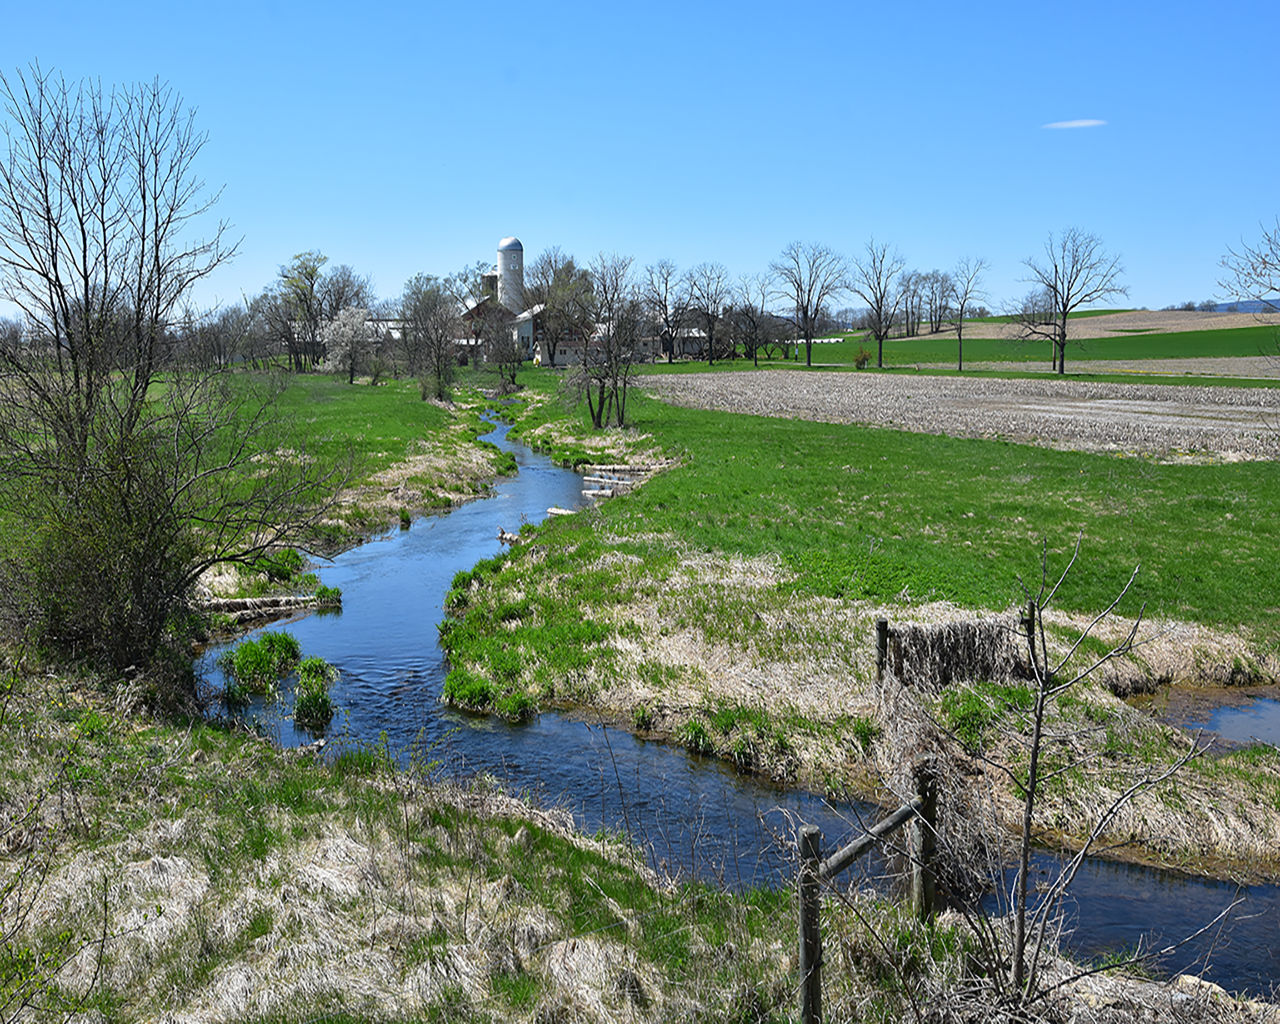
(314, 317)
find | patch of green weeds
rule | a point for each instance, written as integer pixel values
(92, 725)
(970, 712)
(1076, 708)
(864, 731)
(255, 666)
(519, 989)
(465, 689)
(430, 948)
(696, 738)
(281, 565)
(313, 707)
(658, 675)
(260, 924)
(642, 717)
(726, 716)
(328, 597)
(514, 706)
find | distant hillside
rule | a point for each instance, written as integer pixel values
(1248, 306)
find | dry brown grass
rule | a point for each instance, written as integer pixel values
(721, 636)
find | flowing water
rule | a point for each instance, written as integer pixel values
(693, 816)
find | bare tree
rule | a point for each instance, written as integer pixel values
(342, 288)
(557, 284)
(1253, 270)
(666, 299)
(1037, 906)
(1076, 271)
(911, 302)
(95, 192)
(494, 327)
(123, 490)
(216, 339)
(299, 314)
(468, 287)
(429, 325)
(752, 322)
(875, 280)
(708, 285)
(937, 289)
(966, 291)
(608, 359)
(810, 277)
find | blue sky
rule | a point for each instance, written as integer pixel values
(401, 139)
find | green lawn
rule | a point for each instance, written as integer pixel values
(882, 514)
(1242, 341)
(375, 425)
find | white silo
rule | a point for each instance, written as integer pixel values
(511, 274)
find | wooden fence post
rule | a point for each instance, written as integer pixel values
(810, 934)
(882, 648)
(924, 842)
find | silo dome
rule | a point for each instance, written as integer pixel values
(511, 274)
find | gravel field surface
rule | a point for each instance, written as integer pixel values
(1170, 421)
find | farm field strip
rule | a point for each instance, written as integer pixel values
(1146, 419)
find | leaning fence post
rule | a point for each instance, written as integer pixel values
(810, 935)
(882, 648)
(924, 841)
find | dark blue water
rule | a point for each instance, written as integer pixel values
(691, 815)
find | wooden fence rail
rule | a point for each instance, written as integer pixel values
(814, 871)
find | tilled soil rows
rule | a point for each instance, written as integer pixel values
(1168, 421)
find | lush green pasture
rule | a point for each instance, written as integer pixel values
(882, 514)
(1242, 341)
(365, 430)
(374, 425)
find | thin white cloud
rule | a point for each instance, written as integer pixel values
(1087, 123)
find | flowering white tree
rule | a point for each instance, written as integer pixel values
(349, 340)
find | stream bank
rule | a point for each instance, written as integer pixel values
(693, 816)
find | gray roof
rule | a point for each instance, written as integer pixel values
(508, 244)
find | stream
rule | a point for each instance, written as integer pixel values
(693, 816)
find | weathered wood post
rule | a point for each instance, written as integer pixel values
(882, 648)
(924, 886)
(810, 935)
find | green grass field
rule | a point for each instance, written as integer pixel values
(1243, 341)
(334, 419)
(860, 512)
